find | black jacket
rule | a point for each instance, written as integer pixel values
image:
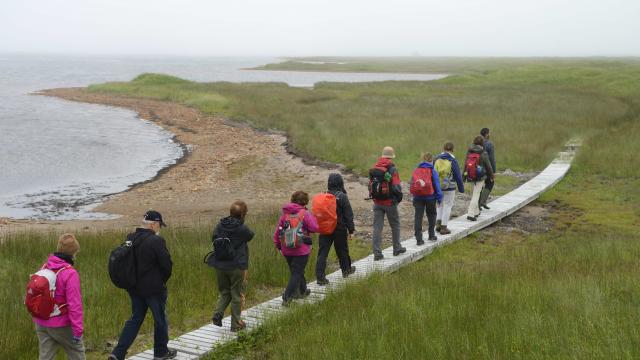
(343, 208)
(240, 235)
(153, 260)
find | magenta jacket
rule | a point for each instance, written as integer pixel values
(309, 225)
(67, 292)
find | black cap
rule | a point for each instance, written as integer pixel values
(153, 215)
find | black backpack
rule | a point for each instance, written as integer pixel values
(223, 249)
(123, 265)
(380, 183)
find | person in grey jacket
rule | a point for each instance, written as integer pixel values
(478, 183)
(488, 183)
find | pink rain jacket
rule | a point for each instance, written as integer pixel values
(309, 225)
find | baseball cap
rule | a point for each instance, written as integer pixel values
(153, 215)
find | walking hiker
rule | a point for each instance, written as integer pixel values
(425, 188)
(344, 229)
(386, 192)
(58, 316)
(450, 176)
(488, 183)
(292, 238)
(477, 167)
(153, 270)
(231, 261)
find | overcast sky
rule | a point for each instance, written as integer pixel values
(323, 27)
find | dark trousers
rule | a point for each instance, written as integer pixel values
(422, 206)
(484, 195)
(340, 241)
(139, 305)
(297, 283)
(231, 290)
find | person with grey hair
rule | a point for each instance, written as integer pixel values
(154, 266)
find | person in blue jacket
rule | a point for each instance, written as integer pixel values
(427, 203)
(450, 178)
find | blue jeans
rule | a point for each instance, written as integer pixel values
(139, 305)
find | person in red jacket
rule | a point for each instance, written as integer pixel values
(387, 206)
(297, 257)
(63, 330)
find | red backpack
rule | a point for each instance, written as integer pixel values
(421, 182)
(41, 289)
(471, 165)
(324, 208)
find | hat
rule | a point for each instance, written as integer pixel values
(153, 215)
(388, 152)
(68, 245)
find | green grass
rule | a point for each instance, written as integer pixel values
(192, 287)
(569, 293)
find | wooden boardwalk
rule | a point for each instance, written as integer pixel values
(202, 341)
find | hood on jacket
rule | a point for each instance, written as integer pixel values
(446, 155)
(384, 162)
(336, 183)
(426, 165)
(476, 149)
(54, 262)
(230, 223)
(292, 208)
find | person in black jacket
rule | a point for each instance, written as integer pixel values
(344, 231)
(232, 274)
(154, 267)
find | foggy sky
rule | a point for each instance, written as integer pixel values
(323, 27)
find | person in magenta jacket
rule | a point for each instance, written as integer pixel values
(64, 330)
(298, 257)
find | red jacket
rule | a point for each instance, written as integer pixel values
(395, 183)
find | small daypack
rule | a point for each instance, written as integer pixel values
(40, 297)
(324, 208)
(472, 167)
(292, 232)
(123, 268)
(223, 249)
(445, 173)
(380, 183)
(421, 182)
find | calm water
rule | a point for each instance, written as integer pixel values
(59, 159)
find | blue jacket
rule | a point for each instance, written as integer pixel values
(437, 193)
(488, 147)
(455, 168)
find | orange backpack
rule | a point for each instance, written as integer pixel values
(323, 206)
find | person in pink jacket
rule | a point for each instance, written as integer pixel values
(64, 330)
(297, 256)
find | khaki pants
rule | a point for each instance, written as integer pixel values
(474, 208)
(231, 287)
(52, 338)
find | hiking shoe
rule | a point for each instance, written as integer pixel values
(399, 251)
(241, 326)
(420, 242)
(378, 257)
(171, 353)
(306, 294)
(444, 230)
(286, 302)
(433, 238)
(485, 206)
(348, 272)
(472, 218)
(438, 225)
(217, 319)
(323, 281)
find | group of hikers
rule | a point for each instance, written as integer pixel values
(142, 265)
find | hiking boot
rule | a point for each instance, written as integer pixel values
(286, 302)
(472, 218)
(438, 225)
(377, 257)
(306, 294)
(171, 353)
(444, 230)
(420, 242)
(433, 238)
(348, 272)
(217, 319)
(485, 206)
(241, 326)
(399, 251)
(323, 281)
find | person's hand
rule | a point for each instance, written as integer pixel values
(77, 340)
(350, 236)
